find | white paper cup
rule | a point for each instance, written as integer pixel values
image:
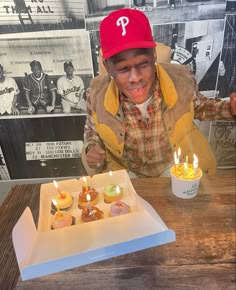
(185, 188)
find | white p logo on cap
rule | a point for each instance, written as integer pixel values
(122, 21)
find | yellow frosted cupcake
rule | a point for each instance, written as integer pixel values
(64, 201)
(186, 173)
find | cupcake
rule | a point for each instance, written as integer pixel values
(118, 208)
(112, 193)
(185, 180)
(61, 219)
(91, 214)
(82, 200)
(190, 173)
(64, 201)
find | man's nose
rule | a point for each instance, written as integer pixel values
(134, 75)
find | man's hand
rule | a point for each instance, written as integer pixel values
(15, 111)
(96, 156)
(31, 109)
(233, 103)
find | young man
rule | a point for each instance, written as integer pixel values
(71, 89)
(141, 112)
(8, 94)
(40, 91)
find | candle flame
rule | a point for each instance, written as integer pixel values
(195, 161)
(88, 197)
(86, 184)
(176, 160)
(55, 184)
(117, 189)
(54, 202)
(110, 173)
(179, 152)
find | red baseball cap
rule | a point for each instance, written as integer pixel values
(124, 29)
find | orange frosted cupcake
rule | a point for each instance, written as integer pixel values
(112, 193)
(82, 200)
(92, 214)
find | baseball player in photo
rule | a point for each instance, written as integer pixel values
(71, 89)
(40, 90)
(8, 94)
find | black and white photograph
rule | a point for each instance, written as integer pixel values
(40, 15)
(96, 10)
(172, 11)
(197, 44)
(41, 147)
(226, 84)
(58, 62)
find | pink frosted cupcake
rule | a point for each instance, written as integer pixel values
(61, 219)
(118, 208)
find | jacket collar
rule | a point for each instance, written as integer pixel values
(111, 101)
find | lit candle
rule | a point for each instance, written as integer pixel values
(56, 205)
(179, 153)
(86, 184)
(57, 187)
(195, 164)
(176, 160)
(186, 166)
(117, 192)
(110, 176)
(186, 159)
(88, 197)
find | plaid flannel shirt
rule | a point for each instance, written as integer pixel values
(147, 149)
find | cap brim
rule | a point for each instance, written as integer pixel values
(126, 46)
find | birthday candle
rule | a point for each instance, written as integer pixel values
(57, 187)
(195, 164)
(179, 152)
(86, 184)
(88, 197)
(56, 205)
(186, 166)
(117, 192)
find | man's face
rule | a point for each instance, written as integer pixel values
(1, 74)
(133, 71)
(69, 70)
(37, 70)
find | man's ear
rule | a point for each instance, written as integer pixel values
(104, 61)
(155, 54)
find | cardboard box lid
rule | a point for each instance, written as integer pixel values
(45, 252)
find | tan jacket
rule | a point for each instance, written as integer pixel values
(178, 90)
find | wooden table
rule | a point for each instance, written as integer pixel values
(203, 256)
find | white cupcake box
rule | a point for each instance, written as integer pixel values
(44, 251)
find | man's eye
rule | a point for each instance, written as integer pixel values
(123, 69)
(143, 64)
